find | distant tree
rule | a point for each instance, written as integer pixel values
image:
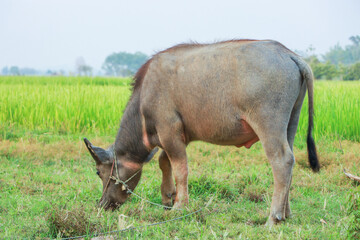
(336, 55)
(82, 68)
(342, 70)
(28, 71)
(14, 70)
(314, 63)
(355, 40)
(5, 71)
(330, 71)
(123, 63)
(323, 70)
(307, 54)
(352, 72)
(337, 63)
(85, 70)
(348, 55)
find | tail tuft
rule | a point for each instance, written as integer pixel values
(312, 155)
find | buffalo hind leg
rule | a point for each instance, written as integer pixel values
(282, 160)
(287, 202)
(291, 132)
(168, 191)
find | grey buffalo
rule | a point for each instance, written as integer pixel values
(234, 93)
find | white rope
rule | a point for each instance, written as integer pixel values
(127, 188)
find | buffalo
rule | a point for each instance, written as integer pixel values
(234, 93)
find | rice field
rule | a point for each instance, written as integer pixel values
(68, 105)
(337, 110)
(63, 104)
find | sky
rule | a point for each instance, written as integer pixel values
(52, 34)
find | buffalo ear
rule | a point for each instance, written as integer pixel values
(101, 156)
(151, 154)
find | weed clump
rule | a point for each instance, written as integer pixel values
(69, 223)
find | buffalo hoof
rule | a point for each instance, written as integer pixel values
(180, 205)
(272, 221)
(168, 200)
(288, 214)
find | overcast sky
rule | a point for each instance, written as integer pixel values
(52, 34)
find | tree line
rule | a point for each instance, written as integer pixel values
(123, 63)
(342, 63)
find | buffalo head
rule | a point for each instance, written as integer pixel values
(117, 172)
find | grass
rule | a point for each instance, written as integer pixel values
(49, 188)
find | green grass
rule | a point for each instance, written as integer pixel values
(49, 189)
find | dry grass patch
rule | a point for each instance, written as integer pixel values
(68, 223)
(38, 152)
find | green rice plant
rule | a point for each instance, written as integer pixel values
(95, 105)
(337, 111)
(63, 108)
(63, 80)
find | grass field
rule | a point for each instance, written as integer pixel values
(49, 188)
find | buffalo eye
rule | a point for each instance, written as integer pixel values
(98, 173)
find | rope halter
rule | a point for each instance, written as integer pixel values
(117, 177)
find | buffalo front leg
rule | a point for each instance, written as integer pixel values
(175, 148)
(168, 192)
(179, 165)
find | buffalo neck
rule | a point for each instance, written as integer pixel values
(129, 140)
